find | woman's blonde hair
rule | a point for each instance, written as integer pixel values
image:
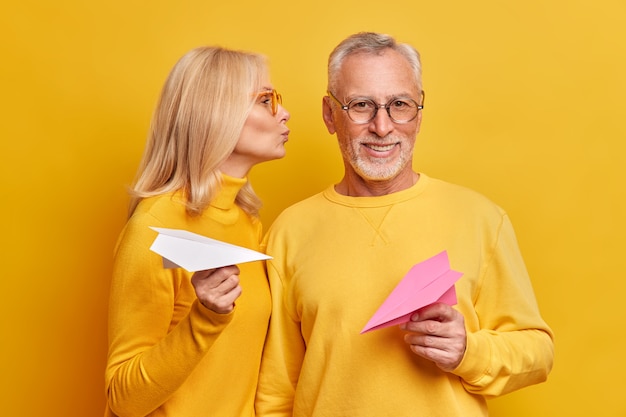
(198, 120)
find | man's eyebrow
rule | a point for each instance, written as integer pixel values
(387, 98)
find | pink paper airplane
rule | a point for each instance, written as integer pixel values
(427, 282)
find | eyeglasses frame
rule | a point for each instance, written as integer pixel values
(385, 106)
(277, 99)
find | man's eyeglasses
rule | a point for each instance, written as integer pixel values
(364, 110)
(275, 98)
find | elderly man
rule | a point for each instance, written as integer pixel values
(339, 254)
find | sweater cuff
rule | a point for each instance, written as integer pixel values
(207, 320)
(475, 363)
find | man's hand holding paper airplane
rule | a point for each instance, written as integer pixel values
(437, 333)
(422, 305)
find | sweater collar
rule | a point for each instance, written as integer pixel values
(379, 201)
(230, 187)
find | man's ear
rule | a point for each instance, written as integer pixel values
(327, 114)
(419, 120)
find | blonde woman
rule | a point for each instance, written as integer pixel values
(183, 344)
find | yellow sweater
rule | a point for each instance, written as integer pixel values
(337, 258)
(168, 354)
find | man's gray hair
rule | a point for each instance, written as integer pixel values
(375, 44)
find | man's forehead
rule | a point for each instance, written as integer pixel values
(374, 75)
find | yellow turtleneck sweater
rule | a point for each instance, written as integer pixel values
(168, 354)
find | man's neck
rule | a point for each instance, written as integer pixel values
(355, 186)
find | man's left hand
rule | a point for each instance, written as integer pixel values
(437, 333)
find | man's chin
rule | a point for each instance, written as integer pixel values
(377, 174)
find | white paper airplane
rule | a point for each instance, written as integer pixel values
(194, 252)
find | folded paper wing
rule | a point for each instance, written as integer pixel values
(194, 252)
(427, 282)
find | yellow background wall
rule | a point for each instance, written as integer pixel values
(525, 103)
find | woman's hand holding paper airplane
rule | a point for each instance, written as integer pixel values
(217, 289)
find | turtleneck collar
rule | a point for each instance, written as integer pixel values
(225, 198)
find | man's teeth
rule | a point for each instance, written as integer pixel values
(381, 148)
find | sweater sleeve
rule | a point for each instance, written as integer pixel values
(513, 348)
(154, 342)
(283, 353)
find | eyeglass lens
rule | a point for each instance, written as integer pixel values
(400, 110)
(276, 100)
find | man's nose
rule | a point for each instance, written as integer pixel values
(381, 124)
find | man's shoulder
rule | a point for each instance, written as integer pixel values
(458, 191)
(304, 206)
(300, 217)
